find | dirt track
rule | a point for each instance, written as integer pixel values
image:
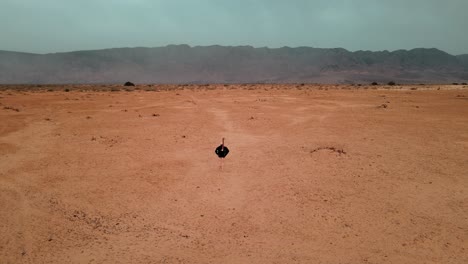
(314, 176)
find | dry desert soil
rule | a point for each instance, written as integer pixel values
(316, 174)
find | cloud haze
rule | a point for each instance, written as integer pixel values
(58, 25)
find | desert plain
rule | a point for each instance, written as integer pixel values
(315, 174)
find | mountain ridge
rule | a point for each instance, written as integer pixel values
(232, 64)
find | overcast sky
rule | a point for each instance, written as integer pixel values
(43, 26)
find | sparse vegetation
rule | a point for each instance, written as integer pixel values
(374, 83)
(340, 151)
(11, 108)
(383, 106)
(129, 84)
(392, 83)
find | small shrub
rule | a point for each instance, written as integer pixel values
(67, 90)
(375, 83)
(129, 84)
(455, 83)
(391, 83)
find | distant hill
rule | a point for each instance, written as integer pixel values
(225, 64)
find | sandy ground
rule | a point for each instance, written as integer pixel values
(313, 176)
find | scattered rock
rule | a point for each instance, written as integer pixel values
(336, 150)
(383, 106)
(11, 108)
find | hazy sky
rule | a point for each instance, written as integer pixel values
(44, 26)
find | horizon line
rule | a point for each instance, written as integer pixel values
(229, 46)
